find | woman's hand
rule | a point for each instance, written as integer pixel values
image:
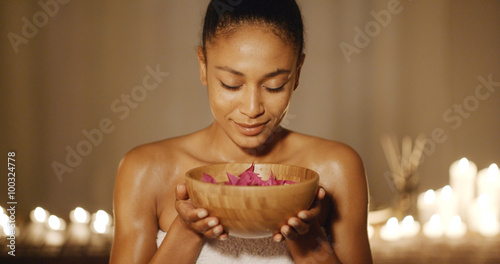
(300, 224)
(197, 219)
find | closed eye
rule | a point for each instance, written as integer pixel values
(229, 87)
(275, 90)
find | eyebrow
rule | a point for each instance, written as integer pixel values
(268, 75)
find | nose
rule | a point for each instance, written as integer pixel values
(252, 102)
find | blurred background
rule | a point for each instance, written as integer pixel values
(70, 69)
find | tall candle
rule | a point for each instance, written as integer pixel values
(447, 204)
(488, 182)
(462, 180)
(426, 204)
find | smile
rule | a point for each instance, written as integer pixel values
(250, 129)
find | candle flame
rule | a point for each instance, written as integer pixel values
(102, 217)
(463, 164)
(81, 216)
(429, 196)
(435, 220)
(446, 192)
(392, 223)
(493, 170)
(408, 221)
(54, 222)
(40, 215)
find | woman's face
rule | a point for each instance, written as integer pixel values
(250, 76)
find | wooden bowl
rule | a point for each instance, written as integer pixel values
(252, 211)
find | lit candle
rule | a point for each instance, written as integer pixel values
(4, 223)
(55, 236)
(409, 227)
(426, 205)
(447, 204)
(488, 182)
(39, 215)
(488, 225)
(37, 227)
(390, 231)
(434, 227)
(101, 222)
(480, 207)
(79, 215)
(456, 228)
(79, 229)
(462, 180)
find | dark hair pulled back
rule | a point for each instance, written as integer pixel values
(283, 16)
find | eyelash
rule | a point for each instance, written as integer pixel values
(272, 90)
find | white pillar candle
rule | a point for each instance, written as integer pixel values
(390, 231)
(488, 225)
(447, 204)
(427, 205)
(409, 227)
(488, 182)
(456, 228)
(433, 228)
(462, 180)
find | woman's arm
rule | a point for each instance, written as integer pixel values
(137, 187)
(346, 206)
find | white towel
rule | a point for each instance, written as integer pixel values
(239, 250)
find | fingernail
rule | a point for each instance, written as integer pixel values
(202, 214)
(222, 238)
(293, 222)
(302, 215)
(277, 238)
(212, 223)
(218, 230)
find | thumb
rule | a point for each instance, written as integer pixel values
(181, 192)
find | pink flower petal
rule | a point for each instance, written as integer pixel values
(208, 178)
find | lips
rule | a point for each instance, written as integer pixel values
(250, 129)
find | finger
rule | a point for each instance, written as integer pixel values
(204, 225)
(277, 237)
(299, 226)
(214, 232)
(310, 215)
(188, 212)
(181, 192)
(288, 232)
(320, 194)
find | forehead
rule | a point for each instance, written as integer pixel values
(251, 45)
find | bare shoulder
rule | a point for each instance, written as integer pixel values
(328, 156)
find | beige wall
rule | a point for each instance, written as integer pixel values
(67, 76)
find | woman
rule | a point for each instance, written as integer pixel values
(250, 60)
